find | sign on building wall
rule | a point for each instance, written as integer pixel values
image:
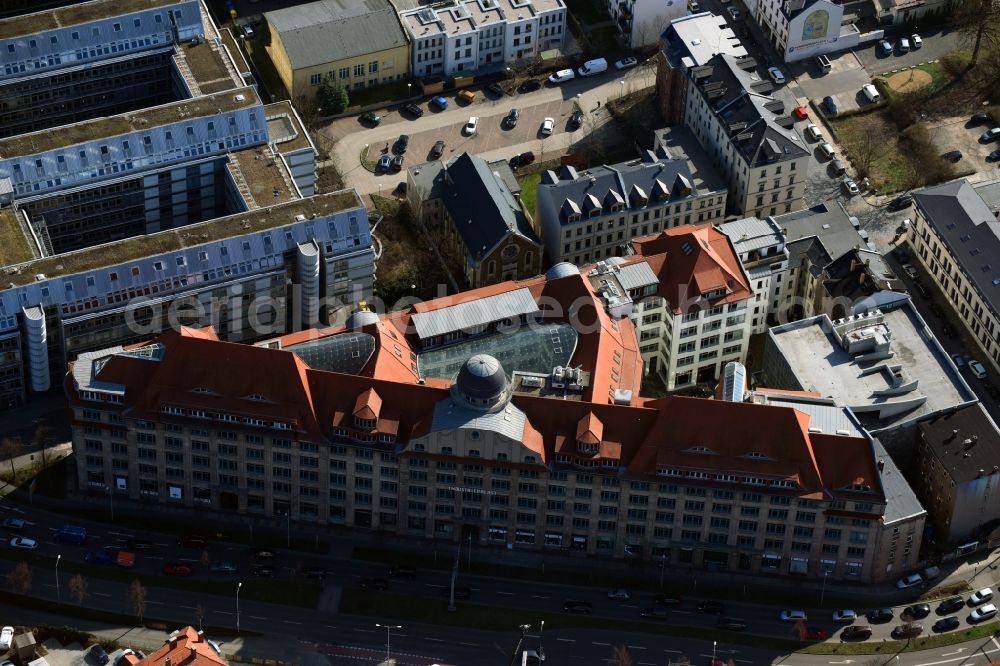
(816, 25)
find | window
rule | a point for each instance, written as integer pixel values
(315, 79)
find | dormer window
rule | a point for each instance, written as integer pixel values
(587, 448)
(757, 455)
(668, 471)
(202, 389)
(700, 449)
(364, 424)
(256, 397)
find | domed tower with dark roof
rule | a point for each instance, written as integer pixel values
(481, 384)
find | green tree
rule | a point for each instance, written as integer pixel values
(332, 96)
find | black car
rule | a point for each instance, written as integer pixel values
(712, 607)
(917, 611)
(950, 605)
(402, 143)
(952, 156)
(460, 592)
(731, 624)
(880, 615)
(262, 571)
(523, 159)
(856, 632)
(531, 85)
(575, 120)
(378, 584)
(994, 156)
(438, 150)
(900, 202)
(510, 120)
(99, 654)
(496, 89)
(413, 110)
(579, 607)
(947, 623)
(908, 630)
(397, 162)
(138, 544)
(655, 613)
(666, 600)
(980, 119)
(403, 571)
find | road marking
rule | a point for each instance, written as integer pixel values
(434, 585)
(627, 606)
(469, 644)
(567, 640)
(291, 622)
(152, 557)
(329, 626)
(682, 612)
(506, 594)
(155, 603)
(539, 596)
(222, 612)
(646, 663)
(47, 585)
(636, 647)
(436, 640)
(256, 617)
(190, 607)
(365, 631)
(601, 644)
(102, 594)
(672, 651)
(185, 559)
(164, 545)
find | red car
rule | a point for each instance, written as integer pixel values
(800, 112)
(177, 569)
(814, 634)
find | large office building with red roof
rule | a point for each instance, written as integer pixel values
(510, 415)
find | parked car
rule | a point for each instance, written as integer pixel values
(917, 611)
(983, 613)
(856, 632)
(845, 616)
(775, 74)
(947, 623)
(871, 93)
(655, 613)
(950, 605)
(6, 638)
(531, 85)
(959, 363)
(916, 41)
(815, 634)
(994, 156)
(23, 543)
(177, 569)
(838, 168)
(99, 654)
(731, 624)
(912, 579)
(402, 143)
(886, 47)
(830, 105)
(377, 584)
(800, 113)
(561, 76)
(990, 135)
(371, 118)
(510, 120)
(625, 63)
(735, 13)
(578, 607)
(413, 110)
(908, 630)
(438, 150)
(471, 126)
(827, 151)
(979, 370)
(985, 594)
(618, 594)
(980, 118)
(900, 202)
(912, 272)
(397, 162)
(904, 45)
(99, 556)
(466, 96)
(547, 126)
(496, 89)
(952, 156)
(880, 615)
(793, 616)
(15, 524)
(712, 607)
(813, 132)
(384, 162)
(851, 186)
(223, 566)
(666, 599)
(523, 159)
(440, 102)
(575, 120)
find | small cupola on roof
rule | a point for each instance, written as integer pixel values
(589, 432)
(366, 409)
(360, 319)
(481, 384)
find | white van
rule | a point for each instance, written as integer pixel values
(871, 92)
(827, 150)
(823, 63)
(592, 67)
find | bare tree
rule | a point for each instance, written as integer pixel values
(620, 657)
(867, 151)
(20, 578)
(10, 448)
(976, 20)
(78, 588)
(199, 613)
(137, 599)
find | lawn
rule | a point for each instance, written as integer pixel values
(890, 170)
(586, 11)
(606, 42)
(529, 193)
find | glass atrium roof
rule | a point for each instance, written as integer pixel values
(538, 347)
(346, 352)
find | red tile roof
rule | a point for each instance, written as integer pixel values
(185, 648)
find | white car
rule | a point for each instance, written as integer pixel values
(794, 616)
(851, 186)
(16, 524)
(910, 270)
(909, 581)
(533, 656)
(916, 41)
(814, 132)
(979, 370)
(547, 126)
(983, 613)
(471, 126)
(618, 593)
(625, 63)
(845, 616)
(776, 75)
(981, 596)
(6, 638)
(23, 543)
(561, 76)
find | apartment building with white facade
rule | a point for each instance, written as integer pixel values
(468, 35)
(760, 246)
(799, 29)
(640, 21)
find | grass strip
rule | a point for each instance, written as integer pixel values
(984, 631)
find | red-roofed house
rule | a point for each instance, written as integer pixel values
(185, 647)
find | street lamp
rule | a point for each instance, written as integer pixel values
(238, 586)
(714, 643)
(621, 88)
(288, 528)
(541, 634)
(111, 503)
(822, 593)
(58, 594)
(388, 634)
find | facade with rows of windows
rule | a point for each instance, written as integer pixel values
(393, 423)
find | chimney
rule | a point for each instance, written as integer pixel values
(881, 464)
(194, 651)
(173, 643)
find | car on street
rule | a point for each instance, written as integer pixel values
(99, 556)
(815, 634)
(561, 76)
(625, 63)
(947, 623)
(983, 613)
(371, 118)
(979, 370)
(264, 554)
(496, 89)
(377, 584)
(403, 571)
(575, 120)
(793, 615)
(6, 637)
(813, 132)
(510, 120)
(384, 162)
(15, 524)
(844, 616)
(830, 105)
(438, 150)
(192, 541)
(413, 110)
(776, 75)
(856, 632)
(547, 126)
(23, 543)
(900, 202)
(712, 607)
(262, 571)
(980, 118)
(618, 594)
(800, 113)
(402, 143)
(735, 13)
(994, 156)
(952, 156)
(223, 566)
(397, 162)
(985, 594)
(524, 159)
(471, 126)
(531, 85)
(177, 569)
(959, 363)
(904, 45)
(908, 630)
(578, 607)
(917, 611)
(837, 168)
(99, 654)
(440, 102)
(880, 615)
(886, 47)
(827, 151)
(912, 579)
(655, 613)
(912, 272)
(731, 624)
(916, 41)
(532, 656)
(663, 599)
(991, 134)
(851, 186)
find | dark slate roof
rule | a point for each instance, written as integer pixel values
(740, 99)
(823, 232)
(975, 447)
(969, 230)
(481, 206)
(859, 274)
(655, 177)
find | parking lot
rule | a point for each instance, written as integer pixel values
(936, 43)
(843, 82)
(959, 134)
